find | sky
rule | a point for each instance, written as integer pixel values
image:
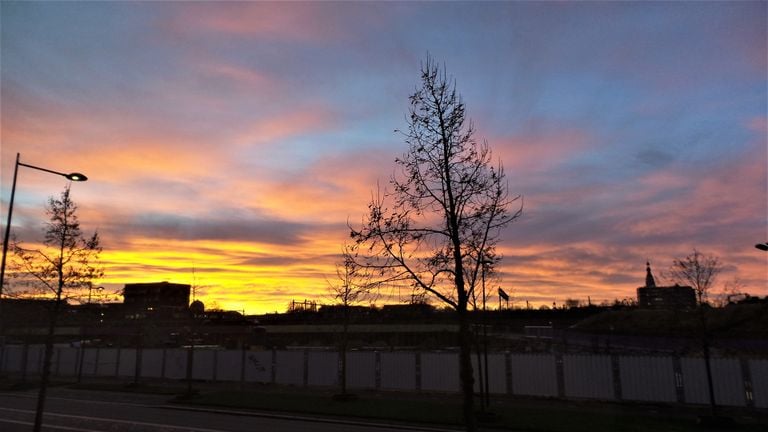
(229, 144)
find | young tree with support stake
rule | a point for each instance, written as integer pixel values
(440, 223)
(66, 265)
(700, 272)
(353, 286)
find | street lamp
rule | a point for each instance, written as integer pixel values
(762, 246)
(71, 176)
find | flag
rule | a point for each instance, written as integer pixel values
(503, 295)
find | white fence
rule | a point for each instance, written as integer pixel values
(737, 382)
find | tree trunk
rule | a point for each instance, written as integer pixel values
(343, 354)
(705, 344)
(465, 371)
(46, 366)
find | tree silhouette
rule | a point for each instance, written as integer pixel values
(440, 223)
(697, 270)
(66, 265)
(353, 286)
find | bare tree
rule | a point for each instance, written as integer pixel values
(353, 286)
(440, 223)
(66, 265)
(698, 271)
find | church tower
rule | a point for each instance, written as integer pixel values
(650, 282)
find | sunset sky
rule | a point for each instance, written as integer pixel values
(228, 144)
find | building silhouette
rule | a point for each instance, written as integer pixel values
(651, 296)
(157, 299)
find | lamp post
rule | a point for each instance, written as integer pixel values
(762, 246)
(71, 176)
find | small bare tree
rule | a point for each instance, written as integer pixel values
(698, 271)
(66, 265)
(439, 225)
(353, 286)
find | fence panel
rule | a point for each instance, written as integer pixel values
(176, 363)
(497, 372)
(759, 369)
(107, 364)
(65, 361)
(647, 379)
(152, 363)
(533, 374)
(440, 371)
(90, 360)
(361, 370)
(323, 369)
(229, 365)
(694, 380)
(258, 366)
(290, 367)
(588, 376)
(398, 370)
(728, 382)
(202, 364)
(13, 356)
(726, 377)
(35, 359)
(127, 366)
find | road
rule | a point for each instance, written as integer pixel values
(115, 412)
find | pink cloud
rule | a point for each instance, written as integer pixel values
(270, 130)
(287, 21)
(535, 152)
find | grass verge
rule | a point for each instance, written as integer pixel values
(509, 413)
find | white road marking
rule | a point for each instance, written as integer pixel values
(48, 426)
(138, 423)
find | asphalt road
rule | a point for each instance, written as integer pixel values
(115, 412)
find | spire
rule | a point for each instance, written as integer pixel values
(649, 281)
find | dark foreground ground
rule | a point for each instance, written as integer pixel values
(423, 410)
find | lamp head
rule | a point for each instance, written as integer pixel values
(76, 177)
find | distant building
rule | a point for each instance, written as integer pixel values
(156, 298)
(651, 296)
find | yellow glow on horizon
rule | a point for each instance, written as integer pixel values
(254, 277)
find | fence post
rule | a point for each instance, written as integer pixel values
(417, 370)
(137, 366)
(560, 375)
(746, 376)
(96, 361)
(508, 372)
(24, 361)
(242, 366)
(215, 364)
(616, 374)
(80, 362)
(306, 368)
(377, 370)
(162, 364)
(117, 362)
(274, 366)
(55, 367)
(677, 367)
